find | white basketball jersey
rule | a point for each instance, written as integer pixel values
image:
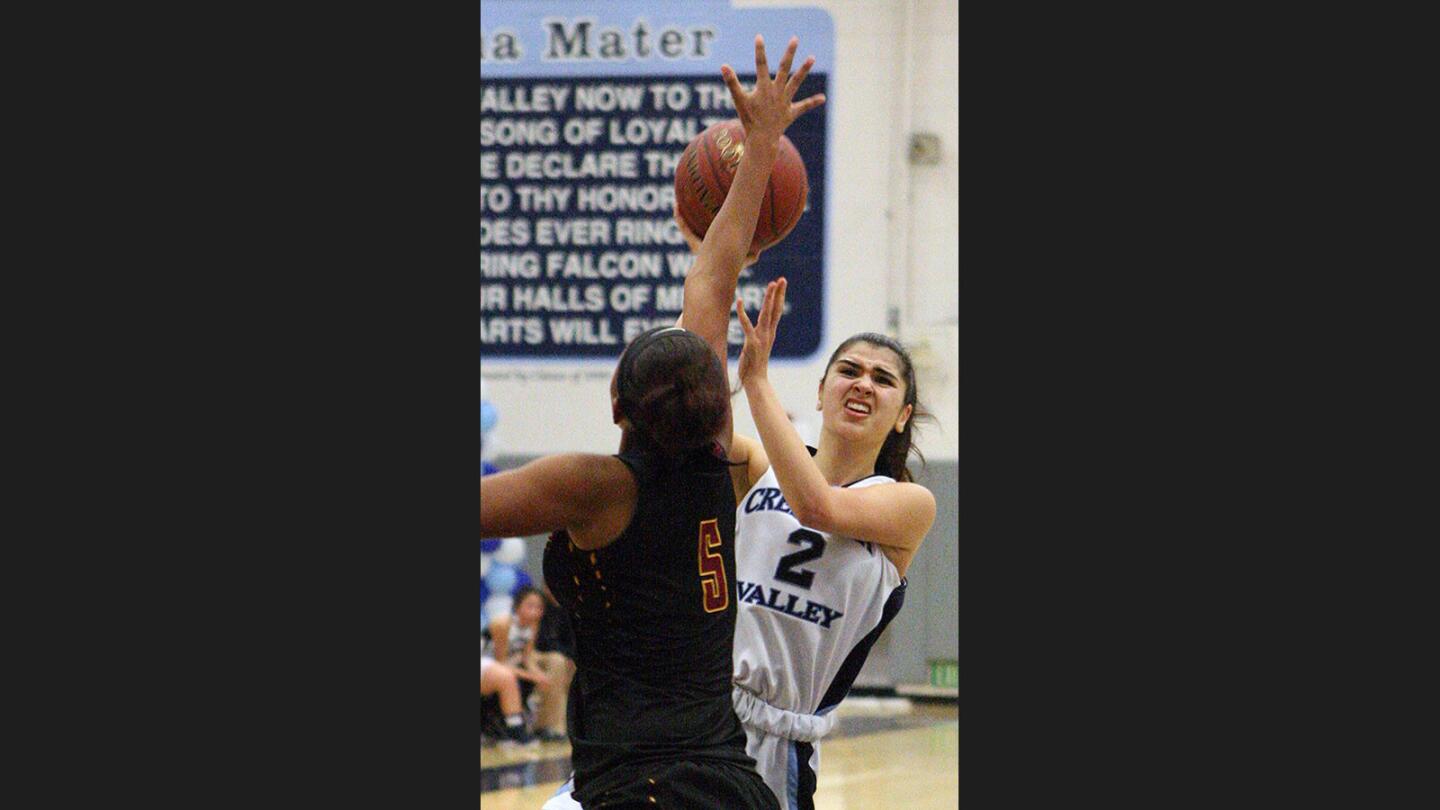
(811, 604)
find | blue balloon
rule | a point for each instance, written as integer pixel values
(484, 592)
(489, 546)
(488, 416)
(521, 578)
(501, 578)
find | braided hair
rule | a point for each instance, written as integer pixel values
(672, 389)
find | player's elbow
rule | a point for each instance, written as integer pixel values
(813, 512)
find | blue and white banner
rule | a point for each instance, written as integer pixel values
(585, 109)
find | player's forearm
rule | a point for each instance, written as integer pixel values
(710, 284)
(729, 236)
(805, 489)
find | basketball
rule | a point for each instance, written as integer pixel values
(707, 168)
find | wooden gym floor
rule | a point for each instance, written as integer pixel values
(871, 760)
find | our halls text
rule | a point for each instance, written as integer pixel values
(579, 251)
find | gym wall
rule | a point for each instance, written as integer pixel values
(892, 240)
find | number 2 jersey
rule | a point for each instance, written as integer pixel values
(654, 616)
(811, 603)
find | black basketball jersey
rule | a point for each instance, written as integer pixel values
(653, 615)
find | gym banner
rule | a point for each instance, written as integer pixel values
(585, 109)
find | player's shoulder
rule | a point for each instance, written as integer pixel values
(914, 501)
(919, 495)
(577, 463)
(600, 490)
(591, 468)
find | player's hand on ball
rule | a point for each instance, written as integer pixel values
(760, 336)
(768, 107)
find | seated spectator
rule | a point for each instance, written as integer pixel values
(513, 640)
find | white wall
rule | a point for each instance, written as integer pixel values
(893, 238)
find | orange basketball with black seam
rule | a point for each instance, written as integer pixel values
(707, 168)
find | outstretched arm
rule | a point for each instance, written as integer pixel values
(896, 515)
(584, 493)
(765, 112)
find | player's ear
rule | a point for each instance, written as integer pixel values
(615, 414)
(904, 418)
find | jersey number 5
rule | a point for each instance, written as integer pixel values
(714, 586)
(785, 571)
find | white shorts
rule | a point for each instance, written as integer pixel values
(773, 737)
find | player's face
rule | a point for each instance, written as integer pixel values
(863, 393)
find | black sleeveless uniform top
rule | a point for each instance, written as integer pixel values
(653, 615)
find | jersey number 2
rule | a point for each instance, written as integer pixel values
(785, 571)
(714, 586)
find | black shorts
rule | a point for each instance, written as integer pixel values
(704, 785)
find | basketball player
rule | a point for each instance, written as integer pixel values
(823, 537)
(642, 556)
(823, 540)
(512, 640)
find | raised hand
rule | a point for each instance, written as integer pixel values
(760, 337)
(768, 107)
(765, 111)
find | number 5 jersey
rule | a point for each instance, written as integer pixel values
(811, 606)
(654, 615)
